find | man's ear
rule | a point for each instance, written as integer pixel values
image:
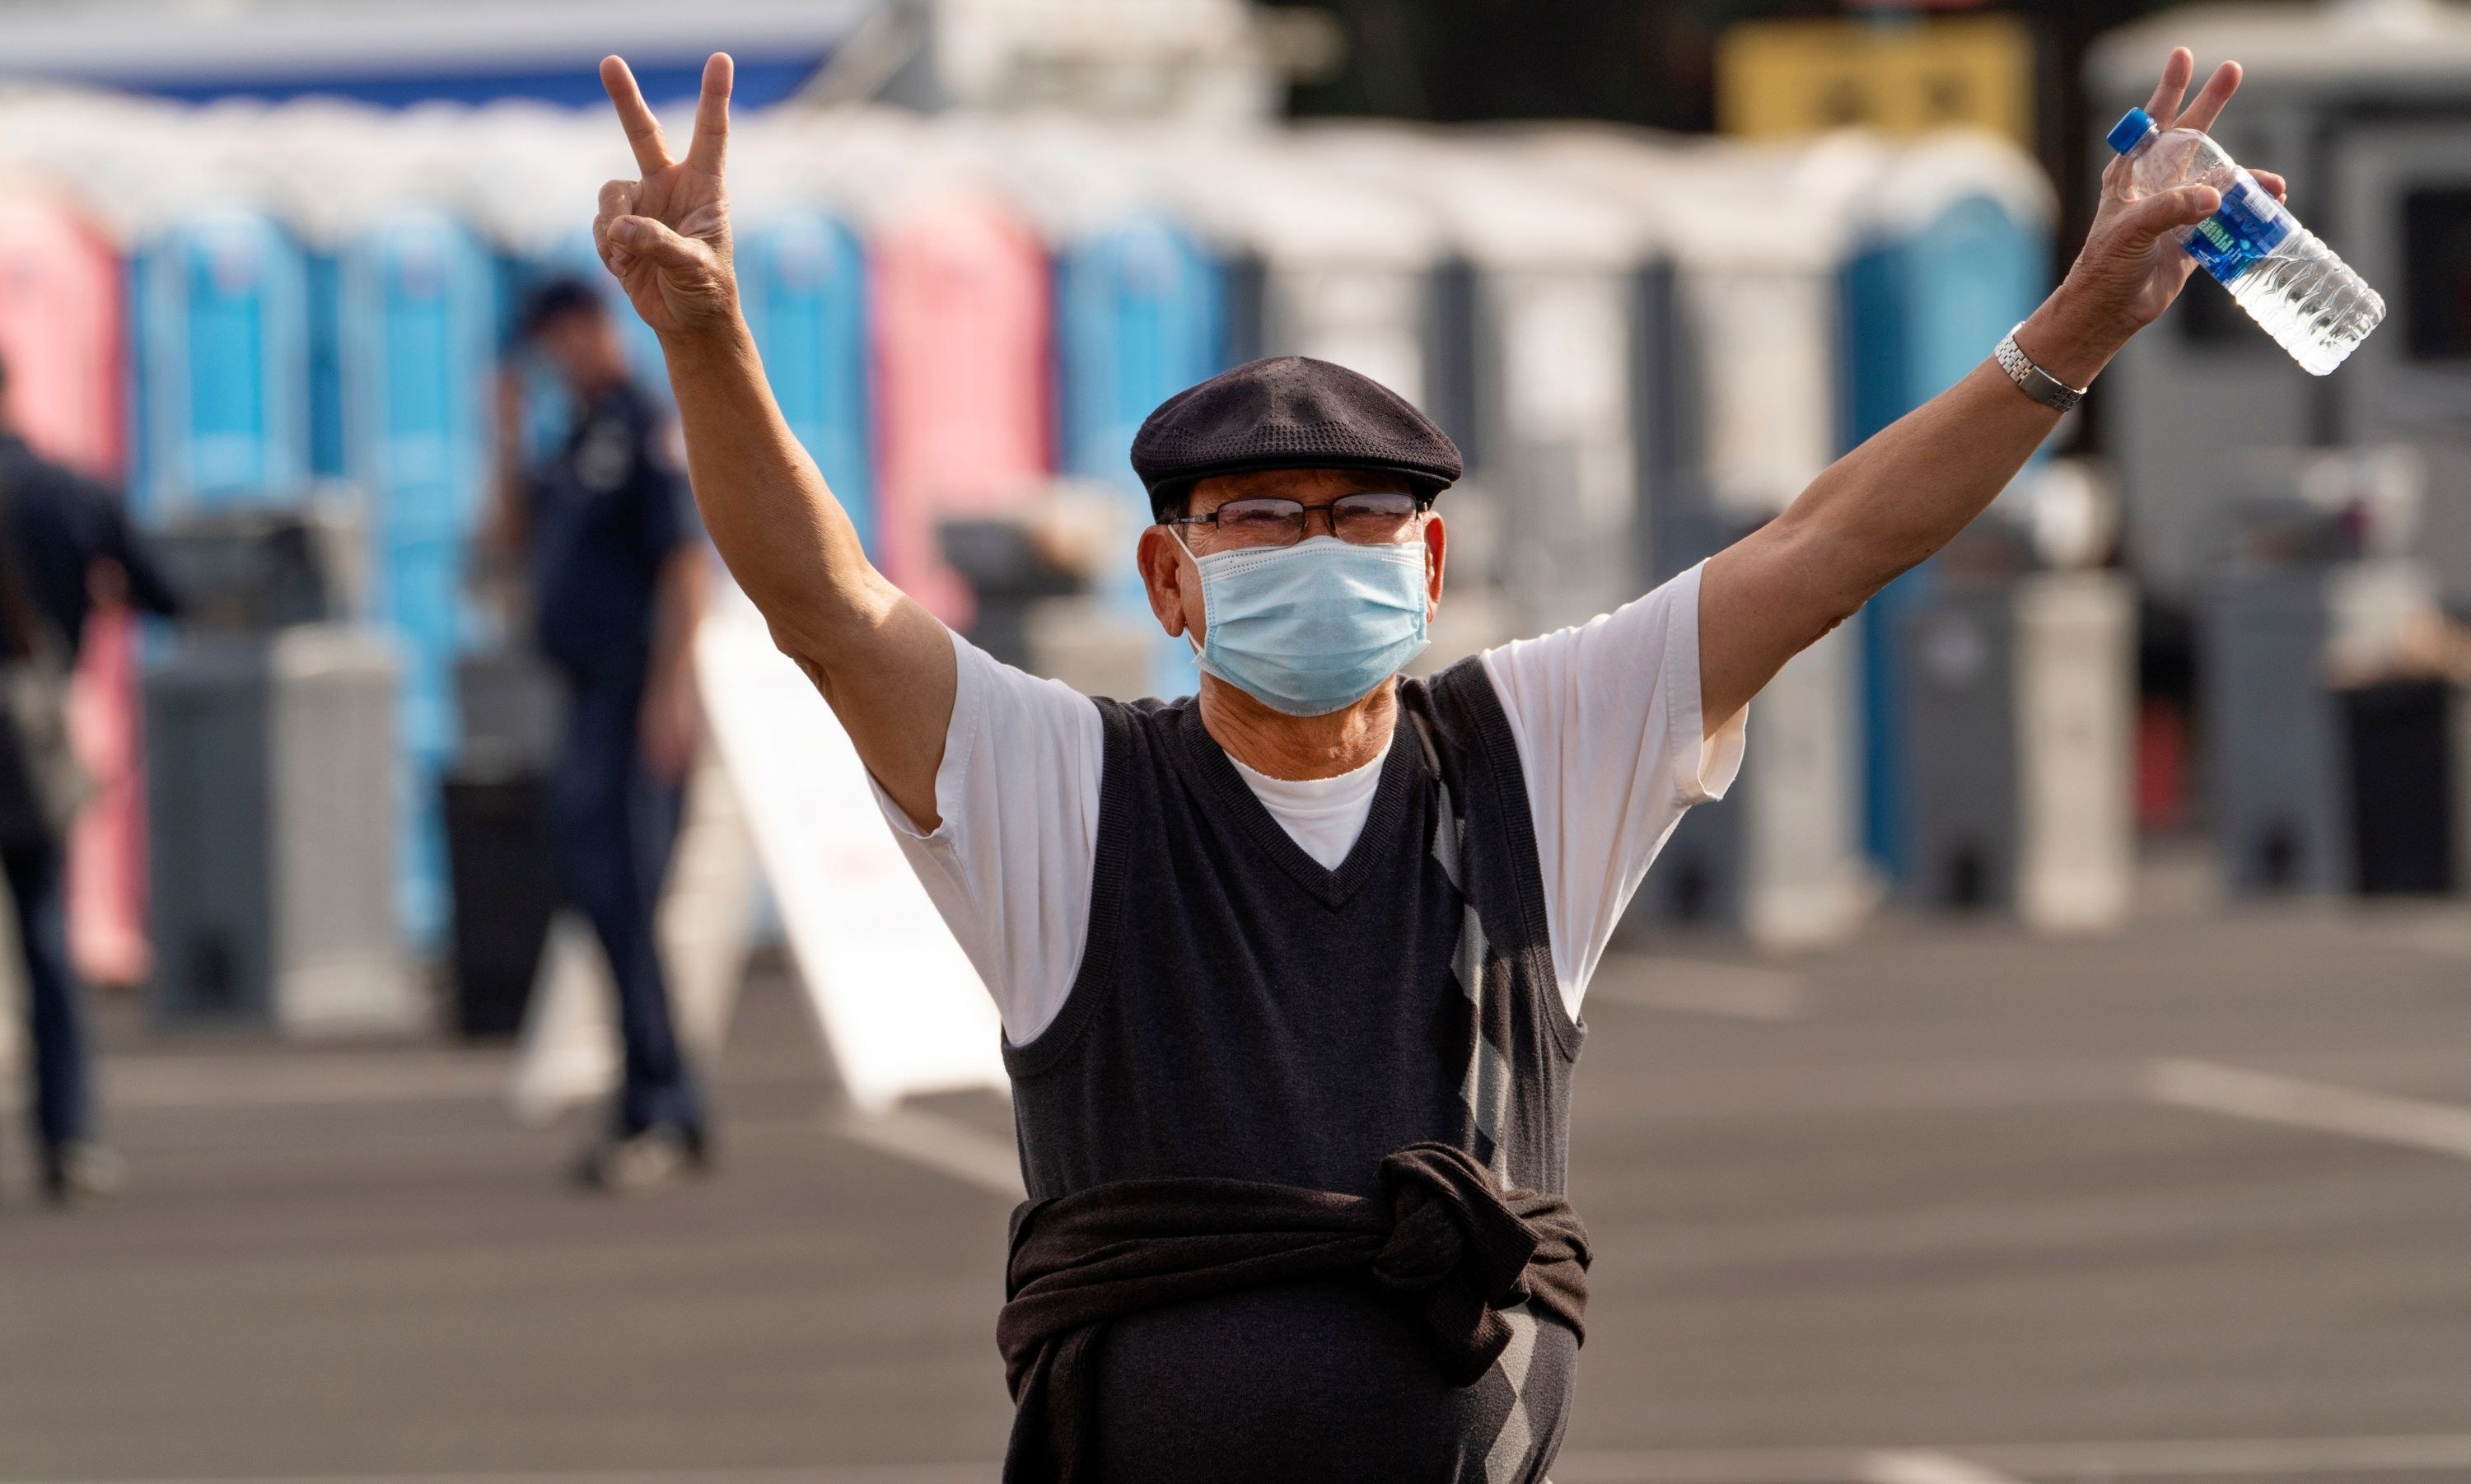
(1436, 553)
(1164, 577)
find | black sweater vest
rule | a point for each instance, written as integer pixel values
(1244, 1013)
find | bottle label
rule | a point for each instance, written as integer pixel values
(2250, 225)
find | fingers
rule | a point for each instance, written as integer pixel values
(711, 147)
(2217, 91)
(617, 200)
(635, 116)
(2164, 104)
(2279, 188)
(656, 243)
(2165, 211)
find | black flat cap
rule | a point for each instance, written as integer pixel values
(1288, 412)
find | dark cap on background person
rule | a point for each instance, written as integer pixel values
(1288, 413)
(553, 299)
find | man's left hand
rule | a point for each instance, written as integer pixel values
(2133, 267)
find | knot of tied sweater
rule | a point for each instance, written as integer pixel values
(1458, 1250)
(1443, 1238)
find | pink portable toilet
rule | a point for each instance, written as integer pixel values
(61, 336)
(961, 355)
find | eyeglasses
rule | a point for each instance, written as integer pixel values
(1377, 518)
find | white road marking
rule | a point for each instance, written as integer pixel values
(2239, 1458)
(1916, 1466)
(1699, 987)
(2235, 1092)
(946, 1146)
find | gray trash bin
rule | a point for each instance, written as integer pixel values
(270, 766)
(2018, 751)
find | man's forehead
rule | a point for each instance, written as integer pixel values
(1306, 484)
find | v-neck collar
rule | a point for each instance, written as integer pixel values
(1209, 763)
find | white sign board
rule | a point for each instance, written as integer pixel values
(901, 1008)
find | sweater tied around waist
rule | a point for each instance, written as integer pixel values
(1442, 1238)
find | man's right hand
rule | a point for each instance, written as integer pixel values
(881, 661)
(667, 235)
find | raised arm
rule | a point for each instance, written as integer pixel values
(1907, 491)
(881, 660)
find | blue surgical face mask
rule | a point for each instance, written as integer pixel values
(1313, 627)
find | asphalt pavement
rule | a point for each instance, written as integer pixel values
(1953, 1205)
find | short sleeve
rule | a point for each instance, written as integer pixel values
(1612, 747)
(1009, 866)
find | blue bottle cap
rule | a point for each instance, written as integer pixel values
(2126, 134)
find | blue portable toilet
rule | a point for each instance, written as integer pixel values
(802, 284)
(1139, 307)
(418, 337)
(1954, 248)
(219, 317)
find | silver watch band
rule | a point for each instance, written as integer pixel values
(2032, 380)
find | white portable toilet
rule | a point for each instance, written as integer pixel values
(1348, 271)
(1340, 274)
(2365, 107)
(1742, 374)
(1540, 323)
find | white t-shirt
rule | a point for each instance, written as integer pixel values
(1610, 740)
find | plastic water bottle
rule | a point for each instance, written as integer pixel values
(2286, 278)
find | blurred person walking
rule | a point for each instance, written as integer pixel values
(65, 549)
(615, 561)
(1290, 972)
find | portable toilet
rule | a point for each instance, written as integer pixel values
(1999, 703)
(2366, 107)
(1954, 248)
(221, 340)
(418, 339)
(961, 297)
(802, 284)
(62, 339)
(1542, 303)
(1141, 309)
(2400, 214)
(1736, 389)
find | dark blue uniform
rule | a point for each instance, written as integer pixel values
(59, 523)
(605, 514)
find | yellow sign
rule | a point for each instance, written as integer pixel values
(1905, 75)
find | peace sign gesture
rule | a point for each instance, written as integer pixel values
(667, 235)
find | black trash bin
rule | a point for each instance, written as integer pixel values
(2401, 751)
(504, 883)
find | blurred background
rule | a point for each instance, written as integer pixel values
(2053, 1061)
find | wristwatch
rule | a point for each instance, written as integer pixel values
(2032, 380)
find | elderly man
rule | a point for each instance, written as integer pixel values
(1290, 972)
